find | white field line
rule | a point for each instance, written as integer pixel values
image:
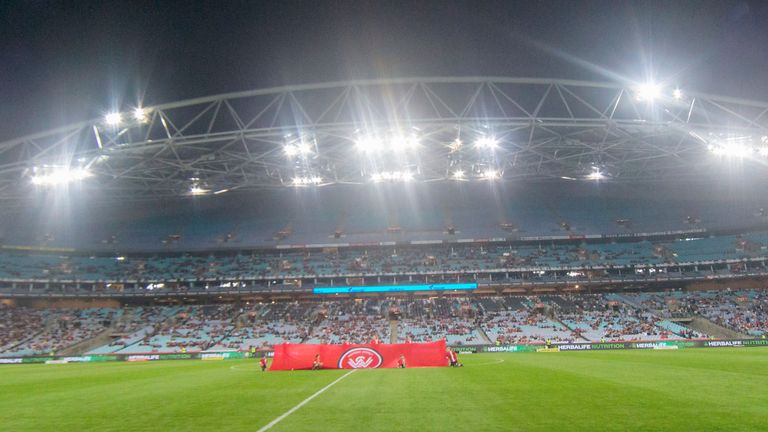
(488, 363)
(249, 369)
(269, 425)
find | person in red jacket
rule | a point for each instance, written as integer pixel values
(453, 359)
(375, 340)
(401, 362)
(263, 363)
(316, 363)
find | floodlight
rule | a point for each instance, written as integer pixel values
(291, 150)
(60, 176)
(486, 142)
(367, 144)
(490, 174)
(404, 176)
(197, 190)
(731, 150)
(458, 174)
(304, 148)
(399, 142)
(455, 145)
(648, 92)
(595, 175)
(140, 115)
(113, 119)
(304, 181)
(677, 94)
(734, 146)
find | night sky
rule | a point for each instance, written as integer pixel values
(68, 61)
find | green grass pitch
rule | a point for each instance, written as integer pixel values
(685, 390)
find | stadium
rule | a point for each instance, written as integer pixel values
(419, 253)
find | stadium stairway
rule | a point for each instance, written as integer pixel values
(633, 303)
(557, 319)
(82, 347)
(15, 345)
(393, 331)
(481, 332)
(708, 327)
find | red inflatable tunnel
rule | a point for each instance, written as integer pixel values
(367, 356)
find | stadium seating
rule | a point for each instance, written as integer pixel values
(231, 222)
(461, 321)
(745, 311)
(49, 331)
(407, 260)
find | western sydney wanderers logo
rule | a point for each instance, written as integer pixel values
(360, 358)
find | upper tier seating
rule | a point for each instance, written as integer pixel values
(376, 260)
(359, 216)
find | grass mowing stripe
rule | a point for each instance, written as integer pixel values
(304, 402)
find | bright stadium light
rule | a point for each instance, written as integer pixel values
(198, 190)
(297, 148)
(113, 119)
(392, 176)
(458, 174)
(60, 176)
(677, 94)
(304, 147)
(486, 142)
(402, 143)
(367, 144)
(648, 92)
(596, 174)
(490, 174)
(455, 145)
(731, 150)
(733, 147)
(291, 150)
(140, 115)
(306, 181)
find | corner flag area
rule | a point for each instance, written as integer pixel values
(614, 391)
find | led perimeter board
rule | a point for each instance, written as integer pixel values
(394, 288)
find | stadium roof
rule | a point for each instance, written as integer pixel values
(394, 130)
